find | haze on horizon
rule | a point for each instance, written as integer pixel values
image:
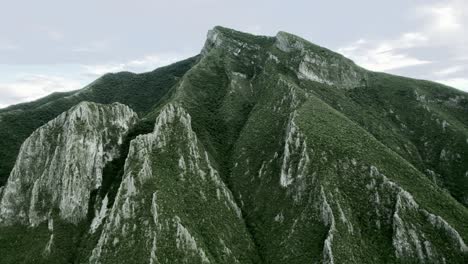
(58, 46)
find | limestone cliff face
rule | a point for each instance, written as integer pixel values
(61, 163)
(310, 162)
(318, 64)
(308, 61)
(171, 202)
(268, 150)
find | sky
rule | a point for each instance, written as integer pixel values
(56, 45)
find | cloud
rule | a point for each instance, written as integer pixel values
(51, 33)
(255, 29)
(33, 86)
(92, 47)
(449, 71)
(431, 49)
(387, 54)
(446, 23)
(100, 69)
(144, 64)
(444, 18)
(459, 83)
(8, 47)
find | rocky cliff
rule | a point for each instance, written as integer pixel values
(61, 163)
(265, 150)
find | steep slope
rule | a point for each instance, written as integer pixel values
(423, 122)
(275, 150)
(138, 91)
(172, 206)
(269, 110)
(60, 165)
(61, 162)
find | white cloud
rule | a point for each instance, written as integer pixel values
(51, 33)
(443, 28)
(459, 83)
(446, 23)
(445, 18)
(411, 40)
(144, 64)
(95, 46)
(255, 29)
(100, 69)
(449, 71)
(33, 86)
(8, 47)
(385, 55)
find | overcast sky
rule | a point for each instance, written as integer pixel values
(56, 45)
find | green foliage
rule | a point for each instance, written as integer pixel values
(29, 244)
(113, 172)
(139, 91)
(242, 104)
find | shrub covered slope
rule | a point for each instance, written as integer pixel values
(259, 150)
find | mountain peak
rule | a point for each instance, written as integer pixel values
(227, 36)
(309, 61)
(260, 150)
(283, 40)
(287, 42)
(71, 150)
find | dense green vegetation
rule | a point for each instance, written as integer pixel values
(28, 243)
(113, 172)
(139, 91)
(328, 162)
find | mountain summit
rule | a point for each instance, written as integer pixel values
(257, 150)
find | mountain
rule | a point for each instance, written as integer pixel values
(257, 150)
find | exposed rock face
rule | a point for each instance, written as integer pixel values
(268, 150)
(317, 64)
(168, 178)
(297, 152)
(294, 144)
(410, 223)
(310, 62)
(213, 39)
(61, 163)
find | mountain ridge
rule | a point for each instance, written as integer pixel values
(327, 163)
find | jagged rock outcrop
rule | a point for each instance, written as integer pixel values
(410, 223)
(171, 203)
(317, 64)
(313, 161)
(310, 62)
(61, 163)
(267, 150)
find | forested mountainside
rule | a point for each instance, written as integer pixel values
(257, 150)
